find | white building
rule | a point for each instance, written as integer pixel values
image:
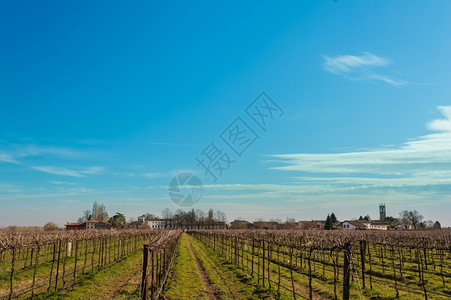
(159, 223)
(155, 223)
(378, 225)
(354, 225)
(142, 219)
(363, 224)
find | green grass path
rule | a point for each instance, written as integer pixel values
(199, 273)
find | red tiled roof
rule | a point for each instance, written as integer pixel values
(89, 221)
(73, 224)
(357, 223)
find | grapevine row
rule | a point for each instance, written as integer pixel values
(340, 264)
(35, 262)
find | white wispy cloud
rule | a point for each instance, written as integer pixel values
(425, 160)
(442, 124)
(5, 157)
(155, 175)
(175, 144)
(14, 152)
(17, 154)
(62, 182)
(23, 154)
(361, 67)
(62, 192)
(9, 188)
(69, 172)
(348, 63)
(39, 150)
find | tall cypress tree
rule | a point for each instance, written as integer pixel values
(333, 218)
(328, 224)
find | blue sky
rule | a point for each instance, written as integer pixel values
(108, 101)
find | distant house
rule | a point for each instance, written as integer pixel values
(89, 225)
(354, 225)
(199, 225)
(311, 225)
(159, 223)
(241, 224)
(321, 223)
(156, 224)
(402, 227)
(266, 225)
(379, 225)
(75, 226)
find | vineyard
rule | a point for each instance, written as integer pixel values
(340, 265)
(37, 262)
(227, 264)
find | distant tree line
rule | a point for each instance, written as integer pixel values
(408, 219)
(179, 216)
(193, 216)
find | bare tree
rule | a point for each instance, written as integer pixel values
(426, 224)
(86, 216)
(290, 223)
(99, 212)
(149, 216)
(220, 216)
(409, 217)
(200, 215)
(211, 216)
(167, 213)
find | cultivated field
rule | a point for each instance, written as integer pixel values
(340, 265)
(225, 264)
(39, 264)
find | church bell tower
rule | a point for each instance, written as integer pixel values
(382, 214)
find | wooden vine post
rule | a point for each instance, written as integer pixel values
(346, 270)
(144, 279)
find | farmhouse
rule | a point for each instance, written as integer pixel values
(155, 223)
(265, 224)
(90, 225)
(354, 225)
(198, 225)
(378, 225)
(75, 226)
(179, 224)
(159, 223)
(241, 224)
(311, 225)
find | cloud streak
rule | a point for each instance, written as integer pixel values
(22, 154)
(442, 124)
(69, 172)
(361, 67)
(348, 63)
(424, 161)
(5, 157)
